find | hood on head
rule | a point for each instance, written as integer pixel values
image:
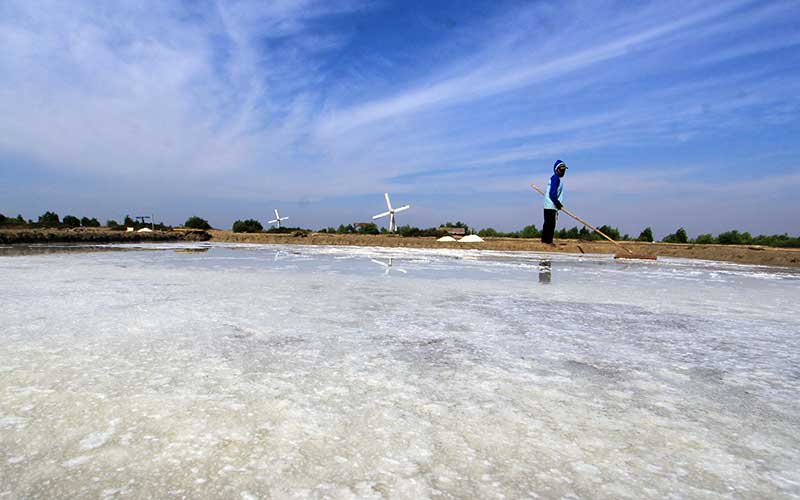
(557, 164)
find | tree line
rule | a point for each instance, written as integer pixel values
(732, 237)
(53, 220)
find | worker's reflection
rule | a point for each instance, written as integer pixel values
(545, 271)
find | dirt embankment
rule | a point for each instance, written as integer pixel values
(742, 254)
(94, 235)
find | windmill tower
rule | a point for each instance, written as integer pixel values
(390, 213)
(277, 219)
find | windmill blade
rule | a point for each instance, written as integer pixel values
(384, 214)
(284, 218)
(404, 207)
(384, 264)
(276, 214)
(388, 203)
(272, 221)
(401, 270)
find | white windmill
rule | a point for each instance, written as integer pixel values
(390, 213)
(277, 219)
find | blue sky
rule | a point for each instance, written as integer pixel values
(668, 113)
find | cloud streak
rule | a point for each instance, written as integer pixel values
(256, 102)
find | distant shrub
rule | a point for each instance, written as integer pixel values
(287, 230)
(526, 232)
(196, 222)
(678, 236)
(112, 223)
(409, 231)
(87, 222)
(247, 226)
(777, 240)
(530, 232)
(11, 221)
(646, 235)
(49, 219)
(705, 239)
(734, 238)
(467, 229)
(342, 229)
(415, 232)
(128, 221)
(569, 234)
(611, 232)
(369, 228)
(71, 221)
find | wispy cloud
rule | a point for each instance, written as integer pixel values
(250, 100)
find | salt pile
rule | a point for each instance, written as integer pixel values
(447, 238)
(472, 238)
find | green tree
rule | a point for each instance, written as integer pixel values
(573, 233)
(129, 222)
(247, 226)
(678, 236)
(457, 224)
(705, 239)
(196, 222)
(611, 232)
(112, 223)
(71, 221)
(408, 231)
(777, 240)
(530, 232)
(87, 222)
(646, 235)
(487, 232)
(49, 219)
(369, 228)
(735, 238)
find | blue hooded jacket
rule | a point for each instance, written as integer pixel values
(554, 199)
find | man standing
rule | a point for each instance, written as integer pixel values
(554, 197)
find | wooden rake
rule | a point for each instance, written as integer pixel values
(628, 255)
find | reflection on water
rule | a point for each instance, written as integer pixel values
(38, 249)
(545, 271)
(388, 266)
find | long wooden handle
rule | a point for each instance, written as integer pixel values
(601, 233)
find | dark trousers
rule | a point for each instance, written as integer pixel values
(549, 225)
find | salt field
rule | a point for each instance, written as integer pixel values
(262, 371)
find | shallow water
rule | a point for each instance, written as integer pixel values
(262, 371)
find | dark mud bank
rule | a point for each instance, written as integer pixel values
(21, 236)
